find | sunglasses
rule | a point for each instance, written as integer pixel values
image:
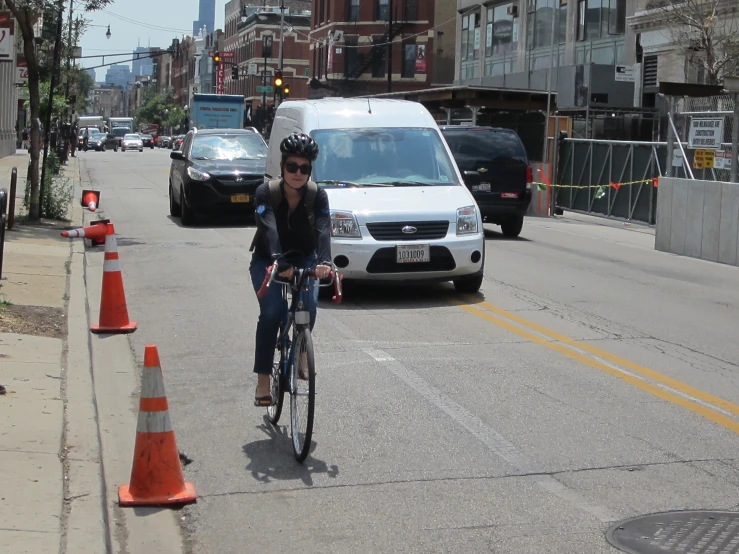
(293, 167)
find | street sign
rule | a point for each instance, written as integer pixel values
(252, 69)
(706, 133)
(677, 158)
(703, 159)
(264, 88)
(625, 74)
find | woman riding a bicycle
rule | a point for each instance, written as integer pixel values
(286, 226)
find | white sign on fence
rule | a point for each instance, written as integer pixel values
(677, 158)
(625, 74)
(706, 133)
(252, 69)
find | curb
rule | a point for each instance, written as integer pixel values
(87, 527)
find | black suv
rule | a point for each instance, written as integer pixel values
(216, 169)
(495, 168)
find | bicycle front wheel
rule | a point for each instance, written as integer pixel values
(302, 393)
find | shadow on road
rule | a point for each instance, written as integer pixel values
(400, 296)
(217, 221)
(272, 459)
(496, 235)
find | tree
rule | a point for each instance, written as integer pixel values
(27, 13)
(708, 32)
(160, 109)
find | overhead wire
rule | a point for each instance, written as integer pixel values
(147, 25)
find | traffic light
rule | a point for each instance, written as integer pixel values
(278, 82)
(286, 91)
(235, 73)
(217, 57)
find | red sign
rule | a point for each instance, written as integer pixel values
(230, 55)
(220, 78)
(421, 58)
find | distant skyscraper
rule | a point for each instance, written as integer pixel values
(91, 73)
(144, 66)
(118, 75)
(206, 16)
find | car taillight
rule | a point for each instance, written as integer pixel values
(529, 174)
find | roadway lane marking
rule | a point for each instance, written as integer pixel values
(671, 390)
(494, 441)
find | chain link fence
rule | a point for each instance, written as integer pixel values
(710, 106)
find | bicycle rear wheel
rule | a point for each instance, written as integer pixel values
(277, 386)
(302, 394)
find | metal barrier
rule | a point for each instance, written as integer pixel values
(3, 220)
(11, 200)
(609, 178)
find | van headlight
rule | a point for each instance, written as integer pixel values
(344, 225)
(467, 220)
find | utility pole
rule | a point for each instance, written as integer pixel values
(282, 40)
(70, 46)
(52, 85)
(390, 46)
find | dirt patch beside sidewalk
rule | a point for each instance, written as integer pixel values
(33, 320)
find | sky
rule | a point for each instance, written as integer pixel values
(134, 22)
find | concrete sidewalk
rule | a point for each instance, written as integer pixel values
(52, 497)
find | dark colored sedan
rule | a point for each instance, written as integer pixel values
(100, 142)
(216, 170)
(148, 140)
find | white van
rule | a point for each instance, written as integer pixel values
(399, 208)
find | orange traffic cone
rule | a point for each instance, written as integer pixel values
(93, 232)
(113, 310)
(156, 476)
(90, 199)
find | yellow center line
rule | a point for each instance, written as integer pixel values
(636, 368)
(694, 407)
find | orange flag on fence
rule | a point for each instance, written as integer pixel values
(616, 185)
(655, 181)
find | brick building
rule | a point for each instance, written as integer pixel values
(243, 35)
(355, 45)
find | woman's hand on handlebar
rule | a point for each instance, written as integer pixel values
(322, 271)
(288, 273)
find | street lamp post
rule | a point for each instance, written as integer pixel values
(732, 85)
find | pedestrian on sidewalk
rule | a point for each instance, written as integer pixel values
(26, 138)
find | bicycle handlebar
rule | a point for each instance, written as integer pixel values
(335, 280)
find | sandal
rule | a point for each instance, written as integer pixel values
(262, 401)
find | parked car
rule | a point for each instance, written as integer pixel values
(495, 168)
(399, 209)
(132, 141)
(177, 142)
(147, 140)
(163, 141)
(100, 142)
(216, 170)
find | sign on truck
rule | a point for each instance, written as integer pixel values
(218, 111)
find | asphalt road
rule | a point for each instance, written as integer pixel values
(592, 380)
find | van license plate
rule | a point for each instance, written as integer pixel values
(482, 187)
(413, 253)
(240, 198)
(509, 195)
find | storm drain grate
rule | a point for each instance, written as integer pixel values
(698, 532)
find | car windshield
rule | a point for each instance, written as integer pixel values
(131, 137)
(120, 131)
(146, 136)
(246, 146)
(391, 156)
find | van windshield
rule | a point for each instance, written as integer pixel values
(393, 156)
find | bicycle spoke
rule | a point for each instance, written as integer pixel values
(302, 394)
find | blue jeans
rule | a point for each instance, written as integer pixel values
(270, 312)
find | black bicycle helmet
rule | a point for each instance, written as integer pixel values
(298, 144)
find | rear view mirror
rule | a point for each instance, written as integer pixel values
(472, 178)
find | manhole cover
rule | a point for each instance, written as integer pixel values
(697, 532)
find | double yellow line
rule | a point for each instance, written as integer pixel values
(574, 349)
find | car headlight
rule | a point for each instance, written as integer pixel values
(467, 220)
(197, 175)
(344, 225)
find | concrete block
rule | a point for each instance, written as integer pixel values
(664, 213)
(31, 424)
(711, 220)
(678, 216)
(729, 225)
(29, 542)
(694, 219)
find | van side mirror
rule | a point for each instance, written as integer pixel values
(472, 178)
(177, 155)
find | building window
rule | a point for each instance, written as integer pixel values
(410, 10)
(562, 23)
(382, 9)
(502, 31)
(351, 57)
(353, 10)
(600, 18)
(322, 12)
(540, 14)
(379, 56)
(617, 17)
(471, 36)
(408, 70)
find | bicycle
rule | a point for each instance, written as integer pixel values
(285, 371)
